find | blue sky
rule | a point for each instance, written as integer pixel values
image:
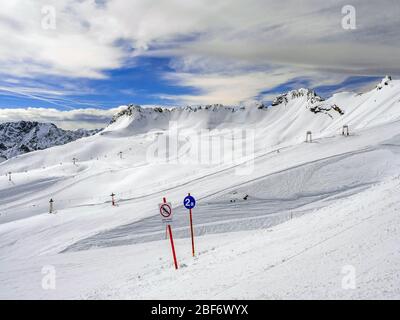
(139, 84)
(144, 84)
(83, 54)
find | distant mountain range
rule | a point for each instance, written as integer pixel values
(25, 136)
(285, 120)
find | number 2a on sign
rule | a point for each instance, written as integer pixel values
(189, 202)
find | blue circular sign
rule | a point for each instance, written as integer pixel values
(189, 202)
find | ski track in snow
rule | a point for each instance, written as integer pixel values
(217, 217)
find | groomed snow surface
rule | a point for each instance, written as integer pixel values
(320, 220)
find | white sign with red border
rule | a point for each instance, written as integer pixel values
(166, 211)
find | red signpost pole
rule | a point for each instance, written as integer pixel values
(191, 230)
(173, 247)
(172, 241)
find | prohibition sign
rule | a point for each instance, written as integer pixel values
(166, 210)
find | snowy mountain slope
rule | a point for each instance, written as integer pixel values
(301, 108)
(287, 261)
(78, 221)
(25, 136)
(98, 160)
(274, 127)
(303, 258)
(271, 198)
(326, 185)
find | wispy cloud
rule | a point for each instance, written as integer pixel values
(73, 119)
(227, 50)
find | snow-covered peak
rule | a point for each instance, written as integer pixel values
(385, 82)
(25, 136)
(213, 107)
(135, 112)
(302, 107)
(136, 119)
(310, 96)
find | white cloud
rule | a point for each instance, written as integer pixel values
(73, 119)
(229, 50)
(236, 88)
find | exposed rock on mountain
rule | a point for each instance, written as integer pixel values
(311, 96)
(25, 136)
